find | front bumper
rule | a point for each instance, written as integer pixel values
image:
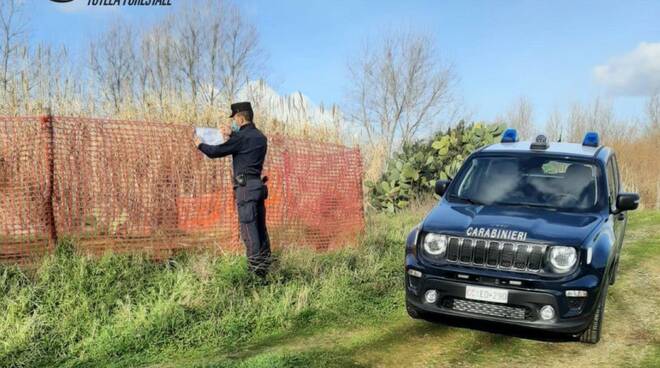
(522, 308)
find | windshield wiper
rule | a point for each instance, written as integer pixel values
(523, 204)
(466, 199)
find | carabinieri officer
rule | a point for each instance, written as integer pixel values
(247, 146)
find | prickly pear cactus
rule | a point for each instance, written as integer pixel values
(419, 165)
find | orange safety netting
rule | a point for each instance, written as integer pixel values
(128, 185)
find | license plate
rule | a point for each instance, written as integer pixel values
(486, 294)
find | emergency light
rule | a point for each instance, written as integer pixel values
(510, 136)
(591, 139)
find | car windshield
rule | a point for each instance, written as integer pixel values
(535, 181)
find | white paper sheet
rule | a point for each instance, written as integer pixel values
(211, 136)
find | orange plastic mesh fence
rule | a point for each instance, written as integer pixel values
(127, 185)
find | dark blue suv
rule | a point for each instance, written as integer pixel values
(527, 233)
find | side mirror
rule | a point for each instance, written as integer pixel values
(441, 187)
(627, 202)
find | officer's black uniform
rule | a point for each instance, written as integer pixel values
(248, 148)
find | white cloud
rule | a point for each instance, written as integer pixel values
(636, 73)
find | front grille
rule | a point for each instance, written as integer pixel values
(500, 254)
(488, 309)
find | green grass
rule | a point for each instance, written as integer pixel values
(125, 310)
(336, 309)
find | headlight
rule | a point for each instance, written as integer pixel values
(435, 244)
(562, 258)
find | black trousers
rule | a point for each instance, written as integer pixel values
(252, 221)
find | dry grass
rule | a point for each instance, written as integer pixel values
(640, 167)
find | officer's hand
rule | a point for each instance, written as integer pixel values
(197, 140)
(225, 129)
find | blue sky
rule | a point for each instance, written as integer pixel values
(548, 51)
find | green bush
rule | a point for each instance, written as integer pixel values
(414, 171)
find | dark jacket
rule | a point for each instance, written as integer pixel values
(248, 148)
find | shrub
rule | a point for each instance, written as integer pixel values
(415, 169)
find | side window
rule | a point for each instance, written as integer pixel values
(611, 182)
(617, 179)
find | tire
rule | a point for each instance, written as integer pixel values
(592, 334)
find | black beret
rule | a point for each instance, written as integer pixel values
(240, 107)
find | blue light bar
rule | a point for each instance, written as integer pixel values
(591, 139)
(510, 136)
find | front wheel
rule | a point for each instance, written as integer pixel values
(592, 334)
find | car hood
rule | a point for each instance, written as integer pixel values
(511, 223)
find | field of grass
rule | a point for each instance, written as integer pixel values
(336, 309)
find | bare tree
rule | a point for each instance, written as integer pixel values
(554, 127)
(186, 66)
(597, 116)
(577, 122)
(189, 42)
(13, 26)
(398, 89)
(240, 56)
(158, 80)
(519, 116)
(214, 53)
(112, 62)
